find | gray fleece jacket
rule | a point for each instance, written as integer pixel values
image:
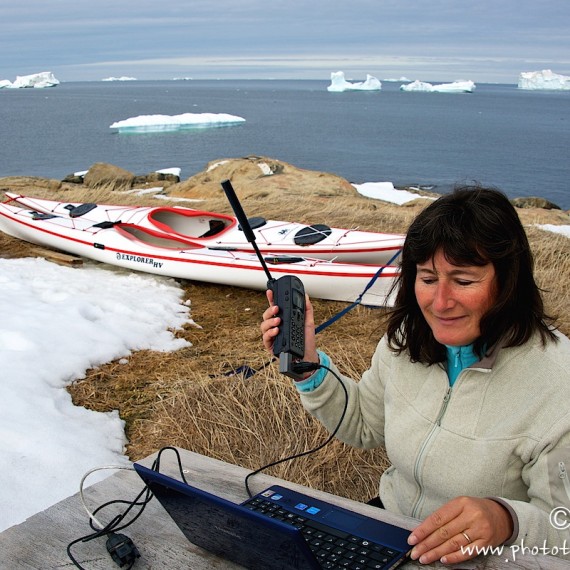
(502, 431)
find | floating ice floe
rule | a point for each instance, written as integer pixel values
(544, 79)
(339, 83)
(455, 87)
(36, 80)
(122, 78)
(162, 123)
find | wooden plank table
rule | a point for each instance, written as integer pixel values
(41, 541)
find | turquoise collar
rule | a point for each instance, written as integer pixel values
(458, 358)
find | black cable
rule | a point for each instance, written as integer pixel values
(156, 464)
(306, 367)
(111, 529)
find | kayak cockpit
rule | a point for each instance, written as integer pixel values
(193, 224)
(136, 233)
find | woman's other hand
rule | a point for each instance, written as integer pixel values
(459, 530)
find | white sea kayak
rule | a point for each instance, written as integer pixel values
(136, 248)
(209, 229)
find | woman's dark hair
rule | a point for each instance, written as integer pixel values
(471, 226)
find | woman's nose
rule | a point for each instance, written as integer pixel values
(443, 298)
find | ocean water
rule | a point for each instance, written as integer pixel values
(499, 135)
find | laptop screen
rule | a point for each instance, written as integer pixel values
(230, 530)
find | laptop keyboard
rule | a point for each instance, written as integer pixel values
(333, 548)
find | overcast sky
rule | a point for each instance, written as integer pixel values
(430, 40)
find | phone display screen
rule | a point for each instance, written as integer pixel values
(297, 299)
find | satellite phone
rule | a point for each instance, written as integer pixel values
(288, 295)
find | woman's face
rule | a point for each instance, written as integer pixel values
(453, 298)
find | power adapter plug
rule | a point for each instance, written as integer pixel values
(122, 549)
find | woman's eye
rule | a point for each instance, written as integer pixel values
(463, 282)
(428, 280)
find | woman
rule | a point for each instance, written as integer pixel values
(468, 390)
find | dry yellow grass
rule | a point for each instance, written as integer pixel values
(190, 399)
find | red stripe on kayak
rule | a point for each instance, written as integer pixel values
(299, 269)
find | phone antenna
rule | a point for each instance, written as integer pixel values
(244, 223)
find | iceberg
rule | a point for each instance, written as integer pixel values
(122, 78)
(455, 87)
(163, 123)
(417, 85)
(402, 79)
(5, 84)
(36, 80)
(339, 83)
(544, 79)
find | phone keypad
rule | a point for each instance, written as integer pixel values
(298, 333)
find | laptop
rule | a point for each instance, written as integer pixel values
(279, 528)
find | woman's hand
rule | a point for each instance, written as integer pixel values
(270, 328)
(455, 531)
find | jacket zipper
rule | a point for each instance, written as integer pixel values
(563, 474)
(425, 445)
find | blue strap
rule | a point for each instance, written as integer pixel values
(359, 300)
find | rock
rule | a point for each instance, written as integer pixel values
(54, 184)
(156, 178)
(29, 183)
(534, 202)
(73, 179)
(103, 174)
(100, 174)
(261, 177)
